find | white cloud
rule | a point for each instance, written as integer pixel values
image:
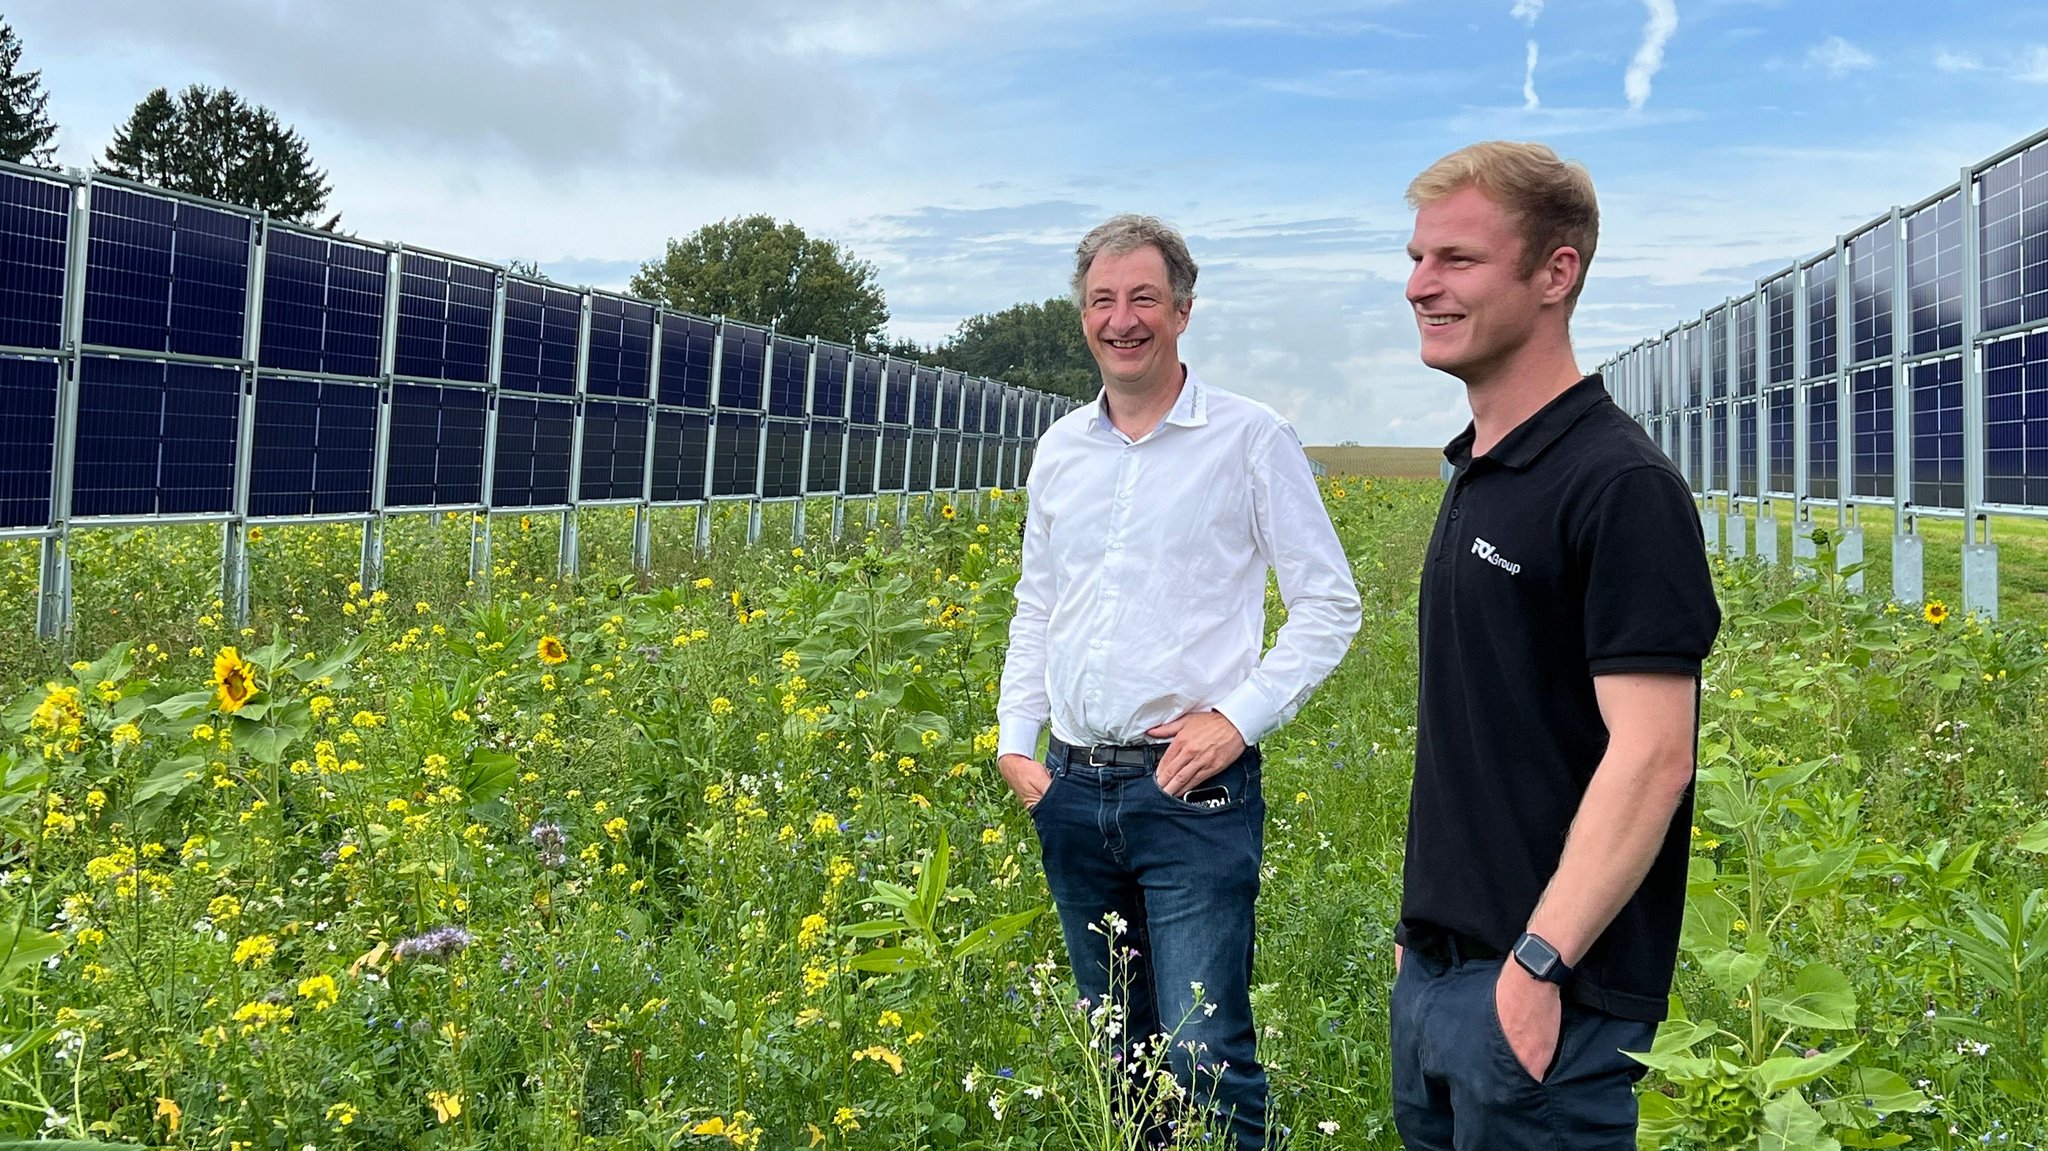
(1529, 99)
(1649, 56)
(2033, 65)
(1949, 61)
(1837, 57)
(1527, 11)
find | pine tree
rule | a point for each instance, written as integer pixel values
(26, 133)
(211, 142)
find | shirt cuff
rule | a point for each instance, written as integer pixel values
(1247, 710)
(1018, 737)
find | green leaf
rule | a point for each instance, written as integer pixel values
(307, 671)
(874, 929)
(1791, 1125)
(1883, 1091)
(895, 895)
(2034, 839)
(1790, 610)
(1823, 999)
(994, 934)
(267, 744)
(24, 947)
(1731, 970)
(1785, 1072)
(889, 960)
(187, 705)
(171, 777)
(488, 775)
(931, 885)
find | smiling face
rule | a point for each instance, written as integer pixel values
(1475, 308)
(1130, 321)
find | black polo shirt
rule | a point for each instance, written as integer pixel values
(1571, 550)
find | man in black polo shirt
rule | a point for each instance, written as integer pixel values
(1565, 611)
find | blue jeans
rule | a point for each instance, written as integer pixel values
(1459, 1087)
(1183, 879)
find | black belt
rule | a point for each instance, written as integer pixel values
(1111, 754)
(1451, 947)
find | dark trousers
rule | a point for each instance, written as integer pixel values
(1459, 1087)
(1182, 879)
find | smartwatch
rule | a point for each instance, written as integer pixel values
(1540, 959)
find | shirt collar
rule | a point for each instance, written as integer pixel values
(1520, 447)
(1190, 409)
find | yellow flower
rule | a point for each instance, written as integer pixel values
(947, 512)
(255, 951)
(846, 1119)
(811, 930)
(342, 1114)
(881, 1054)
(551, 650)
(234, 679)
(126, 735)
(824, 823)
(615, 827)
(321, 990)
(224, 908)
(446, 1104)
(1934, 612)
(721, 706)
(703, 583)
(167, 1109)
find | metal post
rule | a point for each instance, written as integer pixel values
(803, 483)
(643, 516)
(761, 442)
(571, 558)
(53, 578)
(480, 524)
(1980, 556)
(711, 436)
(1736, 540)
(1849, 547)
(373, 527)
(234, 534)
(1906, 543)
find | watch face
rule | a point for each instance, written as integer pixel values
(1536, 955)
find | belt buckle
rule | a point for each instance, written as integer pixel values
(1094, 762)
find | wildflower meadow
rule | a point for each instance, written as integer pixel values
(718, 857)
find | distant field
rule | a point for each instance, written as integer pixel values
(1401, 463)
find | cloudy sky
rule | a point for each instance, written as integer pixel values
(962, 146)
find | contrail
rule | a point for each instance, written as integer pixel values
(1650, 54)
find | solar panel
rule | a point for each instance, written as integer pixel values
(783, 471)
(866, 399)
(539, 350)
(827, 438)
(1822, 440)
(946, 477)
(314, 449)
(444, 319)
(1934, 275)
(1783, 428)
(973, 395)
(991, 459)
(736, 454)
(436, 455)
(863, 445)
(923, 448)
(687, 347)
(1714, 331)
(1715, 471)
(621, 348)
(614, 450)
(741, 367)
(895, 459)
(1780, 300)
(1870, 399)
(1745, 347)
(2012, 221)
(1020, 463)
(1695, 450)
(1938, 433)
(154, 438)
(2016, 420)
(323, 305)
(924, 407)
(35, 228)
(828, 381)
(1822, 307)
(530, 465)
(1870, 295)
(28, 430)
(788, 373)
(680, 442)
(1743, 482)
(952, 394)
(902, 379)
(163, 275)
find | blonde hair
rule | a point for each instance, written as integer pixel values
(1128, 232)
(1551, 199)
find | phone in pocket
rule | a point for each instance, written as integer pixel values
(1214, 795)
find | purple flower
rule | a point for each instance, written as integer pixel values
(440, 944)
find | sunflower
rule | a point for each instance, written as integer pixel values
(1934, 612)
(552, 651)
(234, 678)
(948, 512)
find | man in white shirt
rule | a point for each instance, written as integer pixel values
(1155, 513)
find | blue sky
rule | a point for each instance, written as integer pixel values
(963, 147)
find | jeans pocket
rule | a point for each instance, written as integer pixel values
(1514, 1062)
(1232, 779)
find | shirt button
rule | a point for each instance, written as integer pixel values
(1454, 513)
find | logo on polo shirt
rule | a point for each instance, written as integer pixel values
(1487, 552)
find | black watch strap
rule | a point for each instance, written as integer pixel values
(1540, 959)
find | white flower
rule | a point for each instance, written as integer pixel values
(1327, 1127)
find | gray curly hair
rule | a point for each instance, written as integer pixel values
(1127, 233)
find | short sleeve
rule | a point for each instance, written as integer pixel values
(1650, 603)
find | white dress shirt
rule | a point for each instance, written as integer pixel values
(1143, 591)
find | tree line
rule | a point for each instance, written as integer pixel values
(211, 142)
